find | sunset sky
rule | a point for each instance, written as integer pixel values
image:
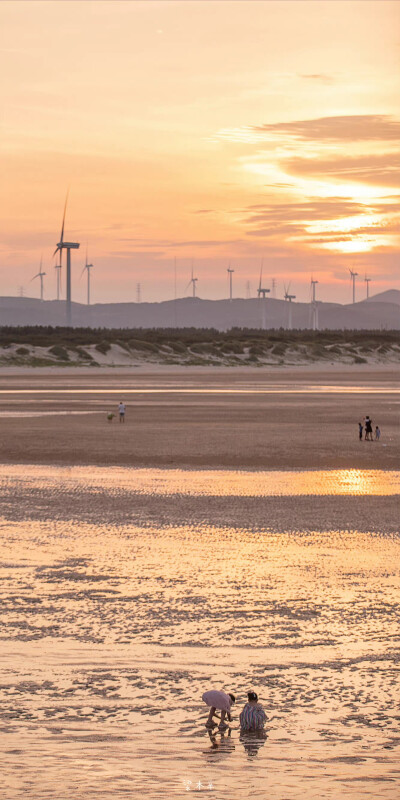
(214, 131)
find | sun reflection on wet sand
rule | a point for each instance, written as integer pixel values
(111, 632)
(270, 389)
(216, 483)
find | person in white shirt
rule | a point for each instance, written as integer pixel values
(216, 699)
(121, 411)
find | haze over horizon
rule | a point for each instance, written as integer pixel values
(219, 132)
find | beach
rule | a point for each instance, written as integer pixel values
(233, 533)
(239, 418)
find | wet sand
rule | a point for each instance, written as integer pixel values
(240, 418)
(123, 599)
(132, 580)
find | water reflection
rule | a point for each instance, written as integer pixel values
(252, 741)
(222, 745)
(45, 413)
(196, 483)
(270, 389)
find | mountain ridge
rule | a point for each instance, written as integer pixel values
(381, 311)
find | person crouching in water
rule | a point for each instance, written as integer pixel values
(218, 701)
(253, 716)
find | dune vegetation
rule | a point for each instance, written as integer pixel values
(47, 346)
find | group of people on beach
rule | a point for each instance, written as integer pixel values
(369, 434)
(251, 718)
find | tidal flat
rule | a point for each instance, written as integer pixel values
(128, 589)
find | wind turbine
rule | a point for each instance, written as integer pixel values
(261, 294)
(88, 267)
(261, 291)
(68, 246)
(230, 273)
(289, 297)
(193, 282)
(367, 281)
(314, 307)
(353, 276)
(40, 275)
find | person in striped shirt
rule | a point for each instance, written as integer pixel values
(253, 716)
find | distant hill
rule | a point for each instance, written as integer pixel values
(391, 296)
(379, 312)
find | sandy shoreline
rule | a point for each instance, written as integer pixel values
(359, 370)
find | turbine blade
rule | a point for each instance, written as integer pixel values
(83, 270)
(63, 222)
(186, 287)
(56, 251)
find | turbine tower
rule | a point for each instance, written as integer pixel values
(193, 282)
(40, 275)
(367, 281)
(57, 268)
(289, 297)
(230, 273)
(68, 246)
(261, 294)
(314, 307)
(353, 276)
(88, 267)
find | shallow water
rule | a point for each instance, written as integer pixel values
(114, 624)
(283, 388)
(44, 413)
(205, 482)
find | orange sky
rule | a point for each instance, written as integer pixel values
(214, 131)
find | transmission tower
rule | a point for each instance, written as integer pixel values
(138, 292)
(273, 293)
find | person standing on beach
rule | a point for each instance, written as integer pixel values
(218, 701)
(121, 411)
(377, 433)
(368, 429)
(360, 430)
